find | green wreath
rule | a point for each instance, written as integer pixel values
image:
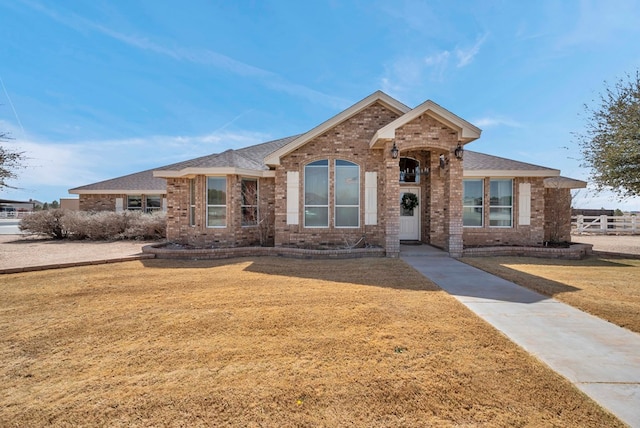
(409, 201)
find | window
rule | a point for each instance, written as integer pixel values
(216, 201)
(500, 203)
(316, 194)
(154, 203)
(192, 202)
(134, 202)
(409, 170)
(347, 194)
(473, 202)
(249, 202)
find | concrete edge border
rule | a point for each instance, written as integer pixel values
(75, 264)
(160, 251)
(574, 251)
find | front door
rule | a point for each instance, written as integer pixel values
(410, 218)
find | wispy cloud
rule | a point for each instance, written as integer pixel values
(466, 55)
(438, 64)
(205, 57)
(495, 121)
(406, 73)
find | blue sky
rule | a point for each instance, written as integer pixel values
(95, 90)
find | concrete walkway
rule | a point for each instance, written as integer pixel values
(600, 358)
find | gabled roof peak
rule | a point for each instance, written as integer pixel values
(377, 96)
(467, 132)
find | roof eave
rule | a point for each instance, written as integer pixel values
(564, 183)
(192, 172)
(118, 192)
(480, 173)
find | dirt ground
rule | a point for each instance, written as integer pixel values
(625, 244)
(264, 342)
(18, 251)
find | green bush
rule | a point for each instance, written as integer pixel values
(97, 226)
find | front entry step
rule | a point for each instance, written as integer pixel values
(410, 242)
(420, 250)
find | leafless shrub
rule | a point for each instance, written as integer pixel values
(47, 223)
(104, 225)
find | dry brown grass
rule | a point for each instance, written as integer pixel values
(264, 342)
(607, 288)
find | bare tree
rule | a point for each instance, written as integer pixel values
(10, 161)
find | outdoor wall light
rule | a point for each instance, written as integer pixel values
(459, 152)
(443, 162)
(394, 151)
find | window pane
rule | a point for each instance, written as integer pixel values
(347, 217)
(472, 193)
(472, 216)
(347, 185)
(154, 203)
(216, 191)
(134, 202)
(316, 185)
(500, 217)
(316, 216)
(216, 216)
(249, 192)
(501, 191)
(249, 215)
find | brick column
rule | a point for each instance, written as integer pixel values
(453, 189)
(392, 202)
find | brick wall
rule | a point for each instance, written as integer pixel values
(234, 234)
(348, 140)
(99, 202)
(557, 211)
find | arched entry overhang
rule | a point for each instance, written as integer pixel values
(432, 136)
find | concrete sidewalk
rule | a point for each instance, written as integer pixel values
(600, 358)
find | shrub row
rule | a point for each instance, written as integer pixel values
(104, 225)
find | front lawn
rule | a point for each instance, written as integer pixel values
(607, 288)
(263, 342)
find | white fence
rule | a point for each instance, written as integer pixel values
(606, 225)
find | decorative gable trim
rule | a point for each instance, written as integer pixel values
(377, 97)
(466, 131)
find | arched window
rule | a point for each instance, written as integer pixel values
(409, 170)
(346, 194)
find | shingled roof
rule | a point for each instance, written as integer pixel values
(139, 182)
(146, 182)
(252, 159)
(480, 164)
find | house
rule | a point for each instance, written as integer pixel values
(378, 171)
(10, 209)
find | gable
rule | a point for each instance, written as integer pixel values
(466, 131)
(377, 97)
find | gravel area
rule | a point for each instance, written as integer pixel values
(623, 244)
(18, 251)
